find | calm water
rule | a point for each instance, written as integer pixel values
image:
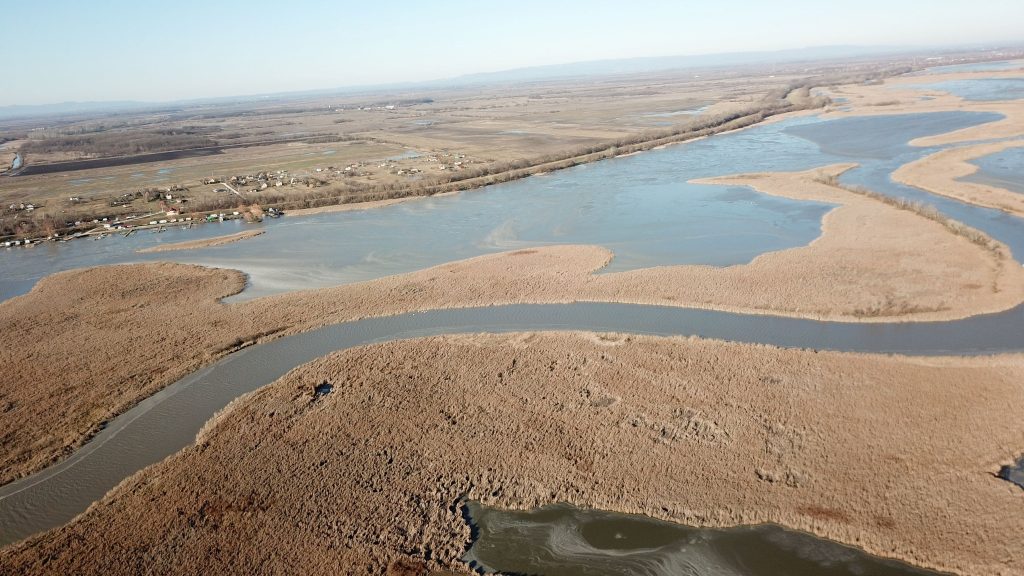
(169, 420)
(641, 207)
(686, 112)
(981, 89)
(567, 541)
(1014, 472)
(978, 67)
(1003, 170)
(880, 151)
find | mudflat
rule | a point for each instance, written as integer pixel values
(893, 455)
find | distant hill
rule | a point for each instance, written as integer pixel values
(69, 108)
(661, 63)
(530, 74)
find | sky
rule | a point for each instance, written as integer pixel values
(156, 50)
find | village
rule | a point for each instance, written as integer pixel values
(216, 198)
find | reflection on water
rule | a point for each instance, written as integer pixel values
(570, 541)
(1003, 170)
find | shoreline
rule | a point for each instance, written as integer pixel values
(730, 121)
(717, 434)
(898, 95)
(861, 269)
(941, 173)
(157, 322)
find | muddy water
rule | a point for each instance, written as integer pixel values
(570, 541)
(641, 207)
(169, 420)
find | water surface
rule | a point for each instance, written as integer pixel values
(1014, 472)
(1003, 169)
(169, 420)
(981, 89)
(641, 207)
(567, 541)
(975, 67)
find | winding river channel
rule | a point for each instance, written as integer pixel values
(641, 207)
(170, 419)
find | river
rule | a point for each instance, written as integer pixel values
(170, 419)
(641, 206)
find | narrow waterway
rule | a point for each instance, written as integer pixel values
(170, 419)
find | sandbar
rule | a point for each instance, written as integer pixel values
(123, 332)
(203, 243)
(941, 173)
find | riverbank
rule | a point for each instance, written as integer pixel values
(728, 116)
(126, 331)
(913, 95)
(687, 430)
(204, 243)
(732, 120)
(942, 173)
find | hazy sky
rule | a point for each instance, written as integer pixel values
(161, 50)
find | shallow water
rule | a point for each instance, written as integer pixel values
(1014, 472)
(977, 67)
(1003, 170)
(981, 89)
(169, 420)
(685, 112)
(570, 541)
(879, 151)
(641, 207)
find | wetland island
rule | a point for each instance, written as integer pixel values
(758, 311)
